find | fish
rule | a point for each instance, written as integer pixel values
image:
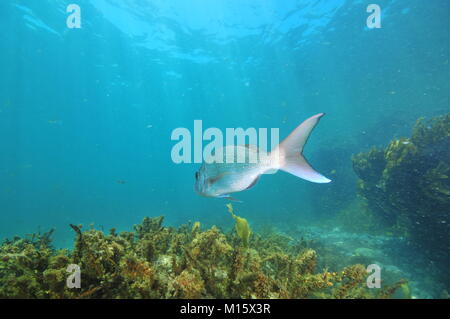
(220, 179)
(55, 122)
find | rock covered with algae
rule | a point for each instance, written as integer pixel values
(155, 261)
(407, 184)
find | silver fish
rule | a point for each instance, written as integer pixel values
(215, 179)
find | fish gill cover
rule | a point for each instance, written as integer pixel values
(89, 104)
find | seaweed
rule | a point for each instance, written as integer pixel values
(156, 261)
(242, 227)
(407, 184)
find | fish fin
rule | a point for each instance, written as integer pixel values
(251, 147)
(227, 196)
(212, 180)
(253, 183)
(234, 199)
(290, 151)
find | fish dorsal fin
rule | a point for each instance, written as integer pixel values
(253, 183)
(251, 150)
(251, 147)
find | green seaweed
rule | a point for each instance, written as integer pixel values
(407, 184)
(164, 262)
(242, 227)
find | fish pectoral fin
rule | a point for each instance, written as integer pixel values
(212, 180)
(253, 183)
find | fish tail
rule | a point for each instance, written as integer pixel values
(289, 152)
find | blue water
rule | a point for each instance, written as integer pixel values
(86, 114)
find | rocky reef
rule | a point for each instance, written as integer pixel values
(407, 185)
(154, 261)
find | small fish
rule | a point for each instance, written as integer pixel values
(54, 122)
(221, 179)
(121, 182)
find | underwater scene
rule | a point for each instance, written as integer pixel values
(193, 149)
